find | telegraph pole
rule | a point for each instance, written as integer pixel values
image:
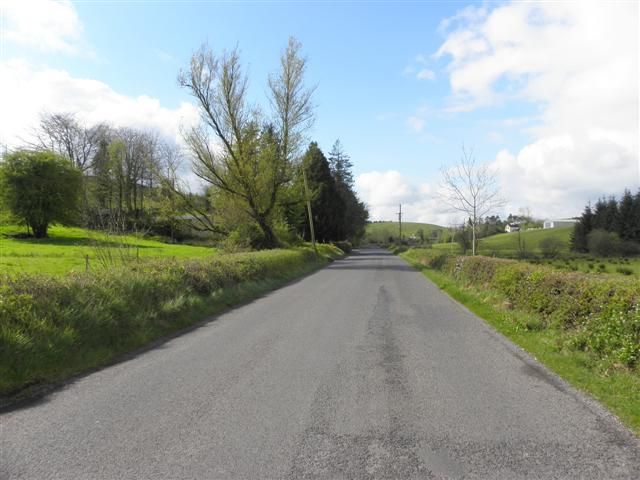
(308, 198)
(400, 221)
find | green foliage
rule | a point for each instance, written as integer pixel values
(580, 305)
(326, 204)
(621, 219)
(551, 247)
(51, 327)
(40, 188)
(602, 243)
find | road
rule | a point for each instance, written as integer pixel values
(362, 370)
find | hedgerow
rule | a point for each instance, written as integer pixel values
(597, 313)
(51, 327)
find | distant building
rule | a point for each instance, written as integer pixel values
(512, 227)
(559, 223)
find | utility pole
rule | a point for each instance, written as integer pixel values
(307, 194)
(400, 221)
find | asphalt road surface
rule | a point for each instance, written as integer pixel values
(361, 370)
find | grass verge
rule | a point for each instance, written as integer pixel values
(52, 328)
(617, 389)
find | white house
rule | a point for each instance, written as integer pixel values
(559, 223)
(512, 227)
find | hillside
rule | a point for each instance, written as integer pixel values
(379, 232)
(506, 244)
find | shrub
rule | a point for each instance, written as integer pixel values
(603, 243)
(345, 246)
(40, 188)
(551, 247)
(624, 270)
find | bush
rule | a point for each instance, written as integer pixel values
(40, 188)
(345, 246)
(551, 247)
(600, 314)
(603, 243)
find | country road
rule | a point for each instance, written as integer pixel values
(362, 370)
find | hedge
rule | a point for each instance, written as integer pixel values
(600, 313)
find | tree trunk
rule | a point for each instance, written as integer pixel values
(40, 230)
(270, 239)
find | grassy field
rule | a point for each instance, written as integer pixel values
(506, 244)
(66, 250)
(379, 232)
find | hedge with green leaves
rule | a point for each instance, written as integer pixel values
(601, 313)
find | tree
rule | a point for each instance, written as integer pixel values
(581, 230)
(252, 158)
(326, 204)
(40, 187)
(470, 188)
(355, 214)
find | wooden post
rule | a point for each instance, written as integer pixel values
(86, 263)
(308, 197)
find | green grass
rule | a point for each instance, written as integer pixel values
(617, 389)
(506, 244)
(66, 250)
(379, 232)
(52, 327)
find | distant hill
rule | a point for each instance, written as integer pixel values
(379, 232)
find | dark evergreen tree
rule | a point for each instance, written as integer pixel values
(625, 218)
(355, 214)
(635, 218)
(581, 230)
(326, 204)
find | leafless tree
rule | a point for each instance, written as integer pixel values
(250, 160)
(470, 188)
(64, 134)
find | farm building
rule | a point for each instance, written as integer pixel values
(512, 227)
(559, 223)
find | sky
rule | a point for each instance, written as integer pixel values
(544, 93)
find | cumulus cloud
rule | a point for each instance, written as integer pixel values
(45, 25)
(578, 62)
(26, 92)
(384, 191)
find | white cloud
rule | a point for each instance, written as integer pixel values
(26, 92)
(45, 25)
(578, 63)
(384, 191)
(416, 124)
(426, 74)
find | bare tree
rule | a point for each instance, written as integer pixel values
(251, 158)
(64, 134)
(470, 188)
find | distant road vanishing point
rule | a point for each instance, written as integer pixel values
(362, 370)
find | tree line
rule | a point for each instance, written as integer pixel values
(260, 185)
(611, 227)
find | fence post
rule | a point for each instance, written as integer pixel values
(86, 263)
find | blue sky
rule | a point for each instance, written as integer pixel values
(402, 84)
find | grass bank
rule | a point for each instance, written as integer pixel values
(52, 327)
(586, 328)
